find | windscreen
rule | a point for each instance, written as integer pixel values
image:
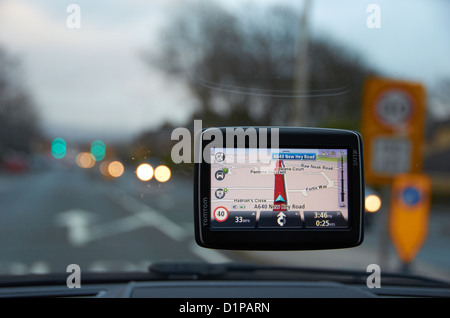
(278, 189)
(100, 102)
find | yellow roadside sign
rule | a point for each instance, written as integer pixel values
(409, 213)
(393, 119)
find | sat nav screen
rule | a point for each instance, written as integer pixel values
(278, 189)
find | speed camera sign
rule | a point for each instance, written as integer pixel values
(392, 128)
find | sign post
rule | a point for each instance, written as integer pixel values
(393, 121)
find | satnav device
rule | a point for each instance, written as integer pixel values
(278, 188)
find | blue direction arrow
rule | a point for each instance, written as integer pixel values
(280, 199)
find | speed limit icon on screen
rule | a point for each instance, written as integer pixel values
(221, 214)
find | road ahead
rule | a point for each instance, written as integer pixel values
(51, 219)
(57, 217)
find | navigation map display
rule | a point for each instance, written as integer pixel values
(278, 189)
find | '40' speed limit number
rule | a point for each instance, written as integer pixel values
(221, 214)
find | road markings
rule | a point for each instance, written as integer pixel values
(117, 226)
(81, 231)
(118, 266)
(39, 267)
(150, 216)
(77, 222)
(171, 229)
(13, 268)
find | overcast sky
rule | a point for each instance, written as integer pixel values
(91, 81)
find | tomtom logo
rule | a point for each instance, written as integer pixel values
(205, 211)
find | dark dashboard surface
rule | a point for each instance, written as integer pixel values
(223, 289)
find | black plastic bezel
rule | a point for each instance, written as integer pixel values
(304, 239)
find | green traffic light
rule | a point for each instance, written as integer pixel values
(59, 148)
(98, 149)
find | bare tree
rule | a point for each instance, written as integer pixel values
(19, 126)
(241, 68)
